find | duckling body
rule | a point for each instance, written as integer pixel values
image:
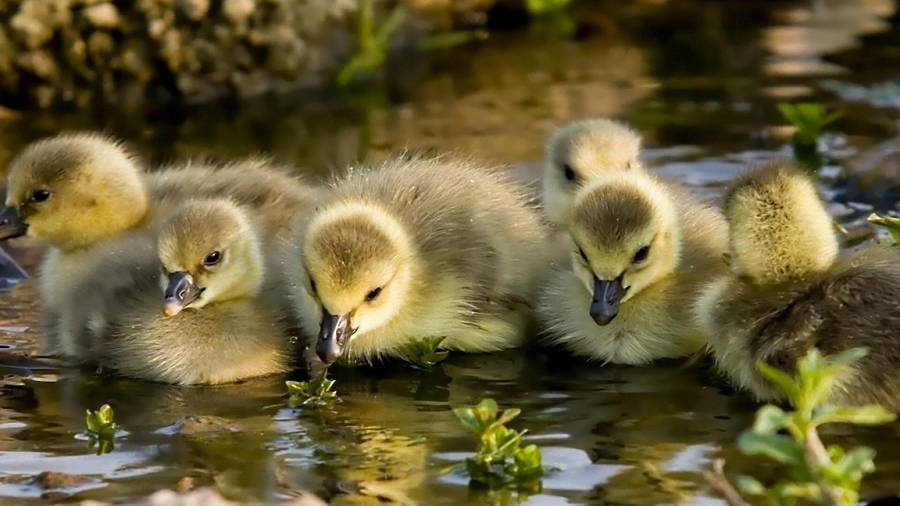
(640, 251)
(211, 324)
(580, 151)
(418, 248)
(788, 291)
(86, 197)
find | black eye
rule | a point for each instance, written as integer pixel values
(581, 252)
(569, 172)
(212, 259)
(312, 286)
(641, 254)
(40, 195)
(373, 294)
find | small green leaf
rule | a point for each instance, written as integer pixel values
(781, 379)
(311, 393)
(775, 446)
(529, 463)
(468, 419)
(848, 357)
(891, 223)
(858, 462)
(101, 422)
(750, 486)
(770, 419)
(872, 414)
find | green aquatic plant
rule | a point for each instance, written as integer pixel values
(425, 353)
(101, 428)
(371, 42)
(500, 460)
(545, 6)
(810, 120)
(312, 393)
(891, 223)
(815, 473)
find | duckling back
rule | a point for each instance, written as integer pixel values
(276, 197)
(791, 294)
(461, 217)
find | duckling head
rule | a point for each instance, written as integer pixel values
(780, 230)
(579, 152)
(625, 237)
(72, 190)
(209, 253)
(360, 269)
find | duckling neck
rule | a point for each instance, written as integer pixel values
(108, 219)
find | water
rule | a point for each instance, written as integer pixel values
(698, 79)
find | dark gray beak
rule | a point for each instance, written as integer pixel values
(334, 334)
(11, 224)
(180, 292)
(605, 303)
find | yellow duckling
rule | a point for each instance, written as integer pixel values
(78, 192)
(640, 252)
(580, 151)
(418, 248)
(210, 323)
(788, 291)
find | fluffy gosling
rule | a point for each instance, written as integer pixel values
(580, 151)
(208, 322)
(417, 248)
(788, 291)
(640, 251)
(79, 192)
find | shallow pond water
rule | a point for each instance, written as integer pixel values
(698, 79)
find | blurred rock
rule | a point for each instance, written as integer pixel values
(51, 480)
(81, 52)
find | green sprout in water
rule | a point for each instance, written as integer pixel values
(312, 393)
(891, 223)
(545, 6)
(101, 428)
(810, 120)
(816, 473)
(371, 43)
(500, 460)
(424, 354)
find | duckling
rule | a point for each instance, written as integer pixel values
(788, 290)
(578, 152)
(210, 323)
(417, 248)
(640, 251)
(77, 192)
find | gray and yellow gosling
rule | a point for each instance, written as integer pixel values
(788, 291)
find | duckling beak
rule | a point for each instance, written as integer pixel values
(605, 303)
(180, 292)
(11, 224)
(334, 333)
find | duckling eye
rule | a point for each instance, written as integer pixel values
(569, 172)
(212, 259)
(583, 255)
(312, 286)
(373, 294)
(641, 254)
(40, 195)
